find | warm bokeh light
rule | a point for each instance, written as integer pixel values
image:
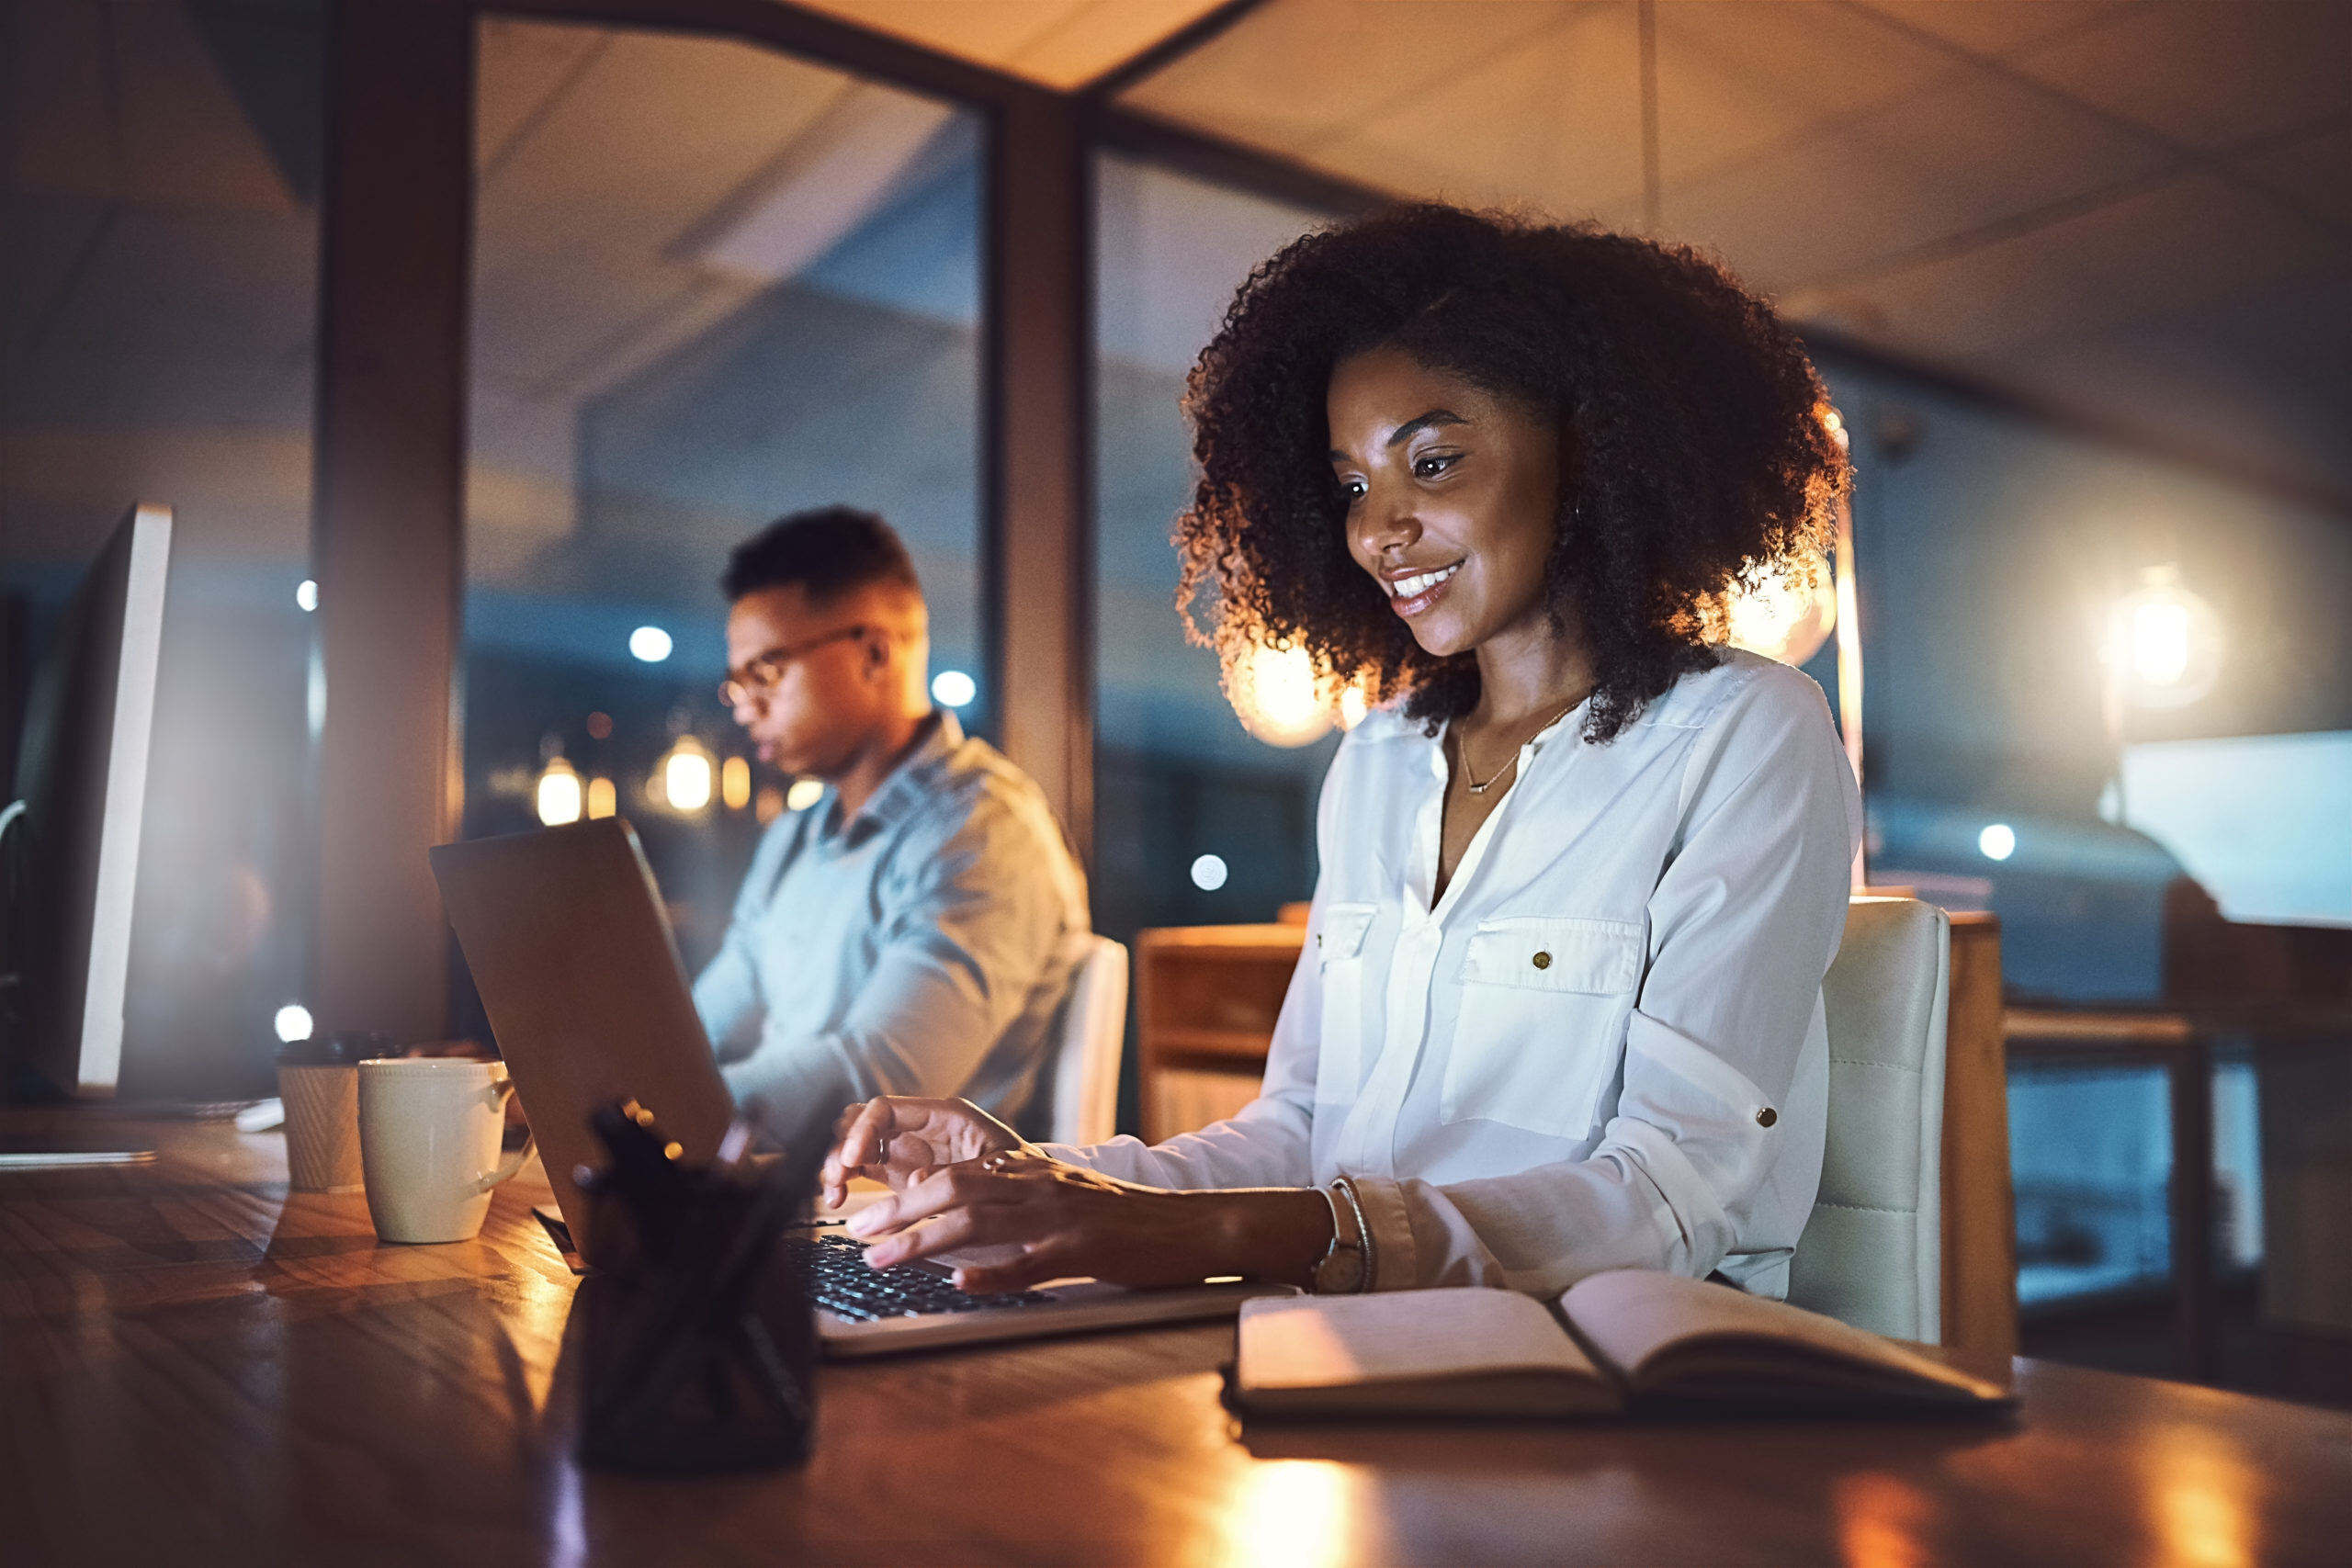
(600, 726)
(2206, 1498)
(1997, 841)
(804, 793)
(1276, 695)
(603, 800)
(1353, 706)
(1881, 1523)
(768, 805)
(1789, 613)
(650, 644)
(306, 594)
(1300, 1514)
(735, 783)
(685, 775)
(558, 795)
(2164, 643)
(293, 1022)
(2160, 643)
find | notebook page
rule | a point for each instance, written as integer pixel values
(1302, 1342)
(1631, 1315)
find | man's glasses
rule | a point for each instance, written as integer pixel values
(758, 676)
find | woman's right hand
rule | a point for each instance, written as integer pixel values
(896, 1140)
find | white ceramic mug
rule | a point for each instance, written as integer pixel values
(429, 1131)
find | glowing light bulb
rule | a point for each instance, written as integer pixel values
(1209, 873)
(1789, 613)
(2164, 643)
(735, 783)
(2160, 643)
(1997, 841)
(650, 644)
(293, 1022)
(603, 798)
(558, 795)
(804, 793)
(306, 594)
(952, 689)
(686, 776)
(1276, 693)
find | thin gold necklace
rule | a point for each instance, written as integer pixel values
(1470, 774)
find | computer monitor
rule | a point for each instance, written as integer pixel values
(70, 845)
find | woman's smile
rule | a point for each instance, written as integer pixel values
(1412, 590)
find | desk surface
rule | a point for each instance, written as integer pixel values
(194, 1366)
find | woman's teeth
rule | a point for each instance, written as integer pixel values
(1419, 582)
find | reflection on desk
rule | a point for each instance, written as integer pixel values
(196, 1368)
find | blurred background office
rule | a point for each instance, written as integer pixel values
(2078, 274)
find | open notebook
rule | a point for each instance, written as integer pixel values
(1634, 1339)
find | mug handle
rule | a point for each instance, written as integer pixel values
(513, 1162)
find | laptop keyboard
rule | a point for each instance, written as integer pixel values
(833, 1272)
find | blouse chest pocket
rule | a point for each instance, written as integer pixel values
(1544, 1004)
(1339, 1066)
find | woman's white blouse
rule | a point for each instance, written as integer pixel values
(1603, 1045)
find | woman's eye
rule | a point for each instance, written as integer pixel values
(1352, 488)
(1428, 468)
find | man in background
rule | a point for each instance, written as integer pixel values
(917, 929)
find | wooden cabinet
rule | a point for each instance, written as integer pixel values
(1206, 997)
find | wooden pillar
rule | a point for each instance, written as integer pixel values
(388, 499)
(1037, 548)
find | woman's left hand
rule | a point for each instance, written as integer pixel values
(1056, 1220)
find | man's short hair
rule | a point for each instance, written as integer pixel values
(826, 552)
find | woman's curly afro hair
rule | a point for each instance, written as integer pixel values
(1693, 448)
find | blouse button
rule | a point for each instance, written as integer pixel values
(1543, 961)
(1767, 1116)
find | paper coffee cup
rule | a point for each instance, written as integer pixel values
(322, 1127)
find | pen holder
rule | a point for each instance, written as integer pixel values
(700, 1351)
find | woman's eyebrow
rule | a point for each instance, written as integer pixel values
(1429, 421)
(1409, 429)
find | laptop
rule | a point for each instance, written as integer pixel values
(571, 951)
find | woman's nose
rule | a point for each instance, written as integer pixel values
(1383, 526)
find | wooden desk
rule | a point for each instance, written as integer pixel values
(196, 1368)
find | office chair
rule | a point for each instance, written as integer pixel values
(1872, 1251)
(1085, 1068)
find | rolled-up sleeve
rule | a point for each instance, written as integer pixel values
(1743, 924)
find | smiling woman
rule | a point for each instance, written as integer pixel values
(1560, 1009)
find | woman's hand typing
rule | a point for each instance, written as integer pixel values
(961, 1180)
(896, 1141)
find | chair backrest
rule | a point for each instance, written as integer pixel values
(1873, 1252)
(1085, 1070)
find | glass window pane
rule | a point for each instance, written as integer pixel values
(713, 284)
(158, 246)
(1196, 821)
